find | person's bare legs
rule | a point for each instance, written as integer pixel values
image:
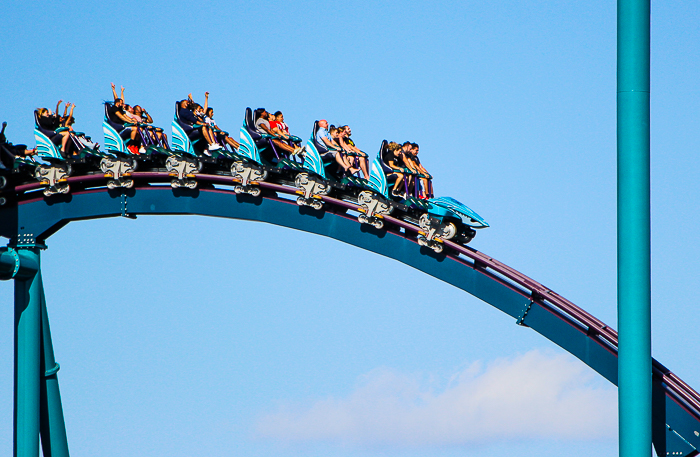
(284, 146)
(399, 180)
(64, 143)
(364, 167)
(233, 143)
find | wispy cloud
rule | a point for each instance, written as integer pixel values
(535, 395)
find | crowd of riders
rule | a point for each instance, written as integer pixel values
(134, 124)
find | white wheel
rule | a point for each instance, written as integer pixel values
(134, 164)
(437, 247)
(378, 224)
(238, 189)
(3, 200)
(128, 183)
(3, 182)
(317, 204)
(64, 189)
(301, 201)
(363, 219)
(191, 184)
(254, 191)
(111, 184)
(422, 241)
(175, 184)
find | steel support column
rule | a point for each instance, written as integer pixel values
(54, 441)
(27, 381)
(633, 227)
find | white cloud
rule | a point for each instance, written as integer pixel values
(537, 395)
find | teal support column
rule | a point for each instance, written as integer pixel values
(54, 441)
(27, 359)
(633, 227)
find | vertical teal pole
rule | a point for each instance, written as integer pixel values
(27, 360)
(54, 441)
(633, 227)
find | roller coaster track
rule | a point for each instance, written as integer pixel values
(32, 218)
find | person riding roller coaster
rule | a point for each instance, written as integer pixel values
(59, 130)
(333, 150)
(353, 154)
(425, 178)
(9, 151)
(135, 120)
(192, 120)
(262, 124)
(221, 135)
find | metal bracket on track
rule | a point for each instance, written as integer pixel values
(523, 314)
(125, 207)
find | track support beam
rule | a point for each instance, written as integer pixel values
(633, 228)
(37, 401)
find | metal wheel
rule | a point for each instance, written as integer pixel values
(301, 201)
(238, 189)
(174, 183)
(437, 247)
(129, 183)
(3, 182)
(317, 204)
(363, 219)
(3, 200)
(255, 191)
(378, 224)
(111, 184)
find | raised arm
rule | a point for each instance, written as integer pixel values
(114, 91)
(72, 107)
(206, 101)
(65, 109)
(58, 106)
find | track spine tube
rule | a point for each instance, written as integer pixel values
(633, 228)
(27, 378)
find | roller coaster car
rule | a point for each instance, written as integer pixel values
(440, 219)
(320, 176)
(14, 169)
(54, 174)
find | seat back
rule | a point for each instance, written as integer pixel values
(180, 141)
(44, 146)
(113, 141)
(37, 125)
(248, 138)
(249, 123)
(320, 147)
(382, 156)
(312, 158)
(377, 175)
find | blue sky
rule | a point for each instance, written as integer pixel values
(181, 336)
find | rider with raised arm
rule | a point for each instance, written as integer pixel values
(220, 134)
(118, 116)
(52, 122)
(192, 122)
(324, 138)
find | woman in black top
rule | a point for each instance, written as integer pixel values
(52, 122)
